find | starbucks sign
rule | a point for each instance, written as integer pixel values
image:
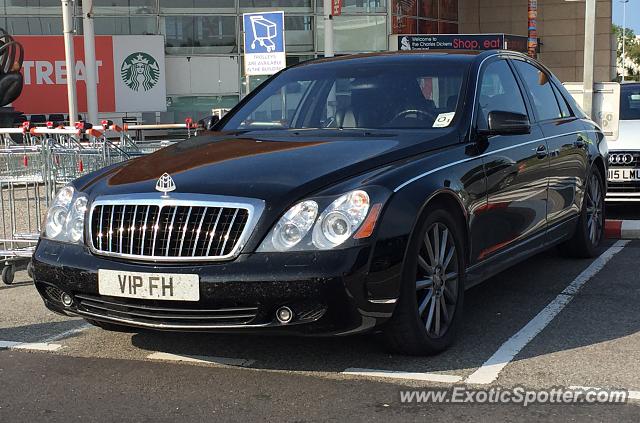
(140, 71)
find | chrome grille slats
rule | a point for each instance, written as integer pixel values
(213, 231)
(184, 230)
(111, 227)
(168, 241)
(175, 316)
(101, 234)
(143, 229)
(173, 229)
(121, 228)
(226, 237)
(132, 229)
(195, 244)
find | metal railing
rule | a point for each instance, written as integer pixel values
(37, 161)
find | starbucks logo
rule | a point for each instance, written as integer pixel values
(140, 72)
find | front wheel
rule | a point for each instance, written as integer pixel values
(429, 309)
(590, 229)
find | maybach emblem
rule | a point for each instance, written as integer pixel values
(165, 184)
(140, 71)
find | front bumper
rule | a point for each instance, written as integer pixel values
(327, 291)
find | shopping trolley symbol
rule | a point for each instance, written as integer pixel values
(264, 32)
(264, 46)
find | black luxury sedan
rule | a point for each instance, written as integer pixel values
(343, 195)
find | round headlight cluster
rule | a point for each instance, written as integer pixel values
(294, 225)
(341, 219)
(65, 217)
(337, 223)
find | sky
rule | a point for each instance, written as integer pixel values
(633, 14)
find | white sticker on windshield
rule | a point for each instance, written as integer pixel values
(443, 120)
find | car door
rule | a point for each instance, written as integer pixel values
(567, 143)
(516, 168)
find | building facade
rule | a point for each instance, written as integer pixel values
(204, 38)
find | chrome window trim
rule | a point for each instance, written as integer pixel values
(468, 159)
(506, 55)
(254, 207)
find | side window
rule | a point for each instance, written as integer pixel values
(499, 91)
(279, 109)
(540, 89)
(564, 107)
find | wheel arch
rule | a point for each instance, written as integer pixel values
(451, 201)
(598, 163)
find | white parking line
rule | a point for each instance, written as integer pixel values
(224, 361)
(428, 377)
(33, 346)
(67, 333)
(490, 370)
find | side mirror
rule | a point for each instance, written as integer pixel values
(209, 123)
(507, 123)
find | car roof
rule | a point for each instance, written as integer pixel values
(415, 56)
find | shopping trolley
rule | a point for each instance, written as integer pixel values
(264, 31)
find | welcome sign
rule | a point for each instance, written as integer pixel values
(131, 74)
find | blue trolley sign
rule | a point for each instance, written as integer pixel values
(264, 51)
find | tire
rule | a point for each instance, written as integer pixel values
(8, 274)
(111, 327)
(420, 325)
(589, 232)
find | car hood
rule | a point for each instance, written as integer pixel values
(628, 138)
(263, 166)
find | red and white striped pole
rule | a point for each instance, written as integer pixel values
(622, 229)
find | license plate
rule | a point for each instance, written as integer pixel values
(149, 286)
(624, 174)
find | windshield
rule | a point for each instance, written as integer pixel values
(630, 102)
(354, 95)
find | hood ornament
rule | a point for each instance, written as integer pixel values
(165, 185)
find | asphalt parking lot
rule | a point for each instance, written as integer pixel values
(549, 322)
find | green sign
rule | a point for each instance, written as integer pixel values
(140, 72)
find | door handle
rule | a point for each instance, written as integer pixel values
(541, 151)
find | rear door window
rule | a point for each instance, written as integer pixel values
(540, 90)
(564, 107)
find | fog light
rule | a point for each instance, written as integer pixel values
(284, 315)
(67, 301)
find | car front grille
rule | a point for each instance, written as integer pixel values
(623, 187)
(155, 315)
(170, 230)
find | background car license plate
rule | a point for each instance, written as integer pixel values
(151, 286)
(624, 174)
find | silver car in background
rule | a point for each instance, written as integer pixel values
(624, 153)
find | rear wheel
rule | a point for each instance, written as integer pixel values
(590, 229)
(430, 306)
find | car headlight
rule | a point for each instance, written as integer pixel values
(300, 228)
(294, 225)
(65, 218)
(340, 220)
